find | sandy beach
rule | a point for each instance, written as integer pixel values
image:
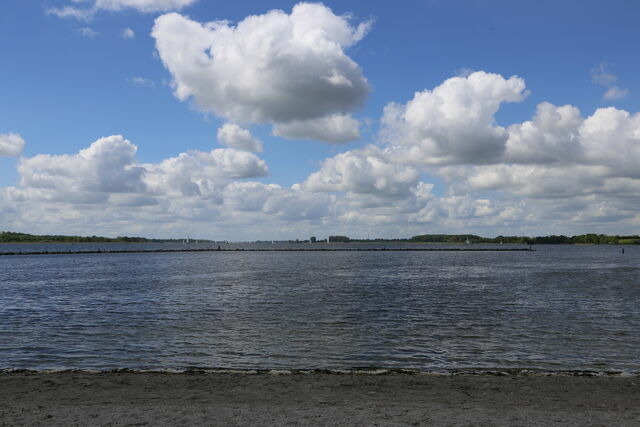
(71, 398)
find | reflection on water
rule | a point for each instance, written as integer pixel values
(562, 307)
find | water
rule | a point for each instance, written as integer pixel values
(559, 308)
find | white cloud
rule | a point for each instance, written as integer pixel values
(560, 154)
(601, 75)
(552, 136)
(198, 173)
(276, 201)
(87, 32)
(363, 172)
(232, 135)
(128, 34)
(465, 72)
(614, 92)
(144, 6)
(559, 159)
(297, 205)
(11, 144)
(141, 81)
(71, 12)
(335, 128)
(536, 181)
(275, 67)
(106, 166)
(249, 196)
(611, 137)
(559, 172)
(453, 123)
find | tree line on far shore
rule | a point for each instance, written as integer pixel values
(12, 237)
(591, 238)
(598, 239)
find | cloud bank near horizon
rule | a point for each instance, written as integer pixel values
(557, 172)
(440, 161)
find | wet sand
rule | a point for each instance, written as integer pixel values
(71, 398)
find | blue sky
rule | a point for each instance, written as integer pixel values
(66, 82)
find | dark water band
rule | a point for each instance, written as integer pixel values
(125, 251)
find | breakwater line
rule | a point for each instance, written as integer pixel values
(124, 251)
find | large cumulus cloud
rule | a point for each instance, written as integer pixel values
(561, 154)
(275, 67)
(106, 166)
(558, 154)
(453, 123)
(108, 170)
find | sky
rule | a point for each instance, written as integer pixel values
(254, 120)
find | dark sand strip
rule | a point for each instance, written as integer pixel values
(315, 399)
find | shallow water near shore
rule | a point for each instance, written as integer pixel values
(560, 308)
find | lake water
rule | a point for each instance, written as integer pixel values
(559, 308)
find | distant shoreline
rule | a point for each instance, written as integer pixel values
(354, 243)
(591, 238)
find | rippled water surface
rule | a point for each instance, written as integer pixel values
(559, 308)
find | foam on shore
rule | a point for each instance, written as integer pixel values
(520, 372)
